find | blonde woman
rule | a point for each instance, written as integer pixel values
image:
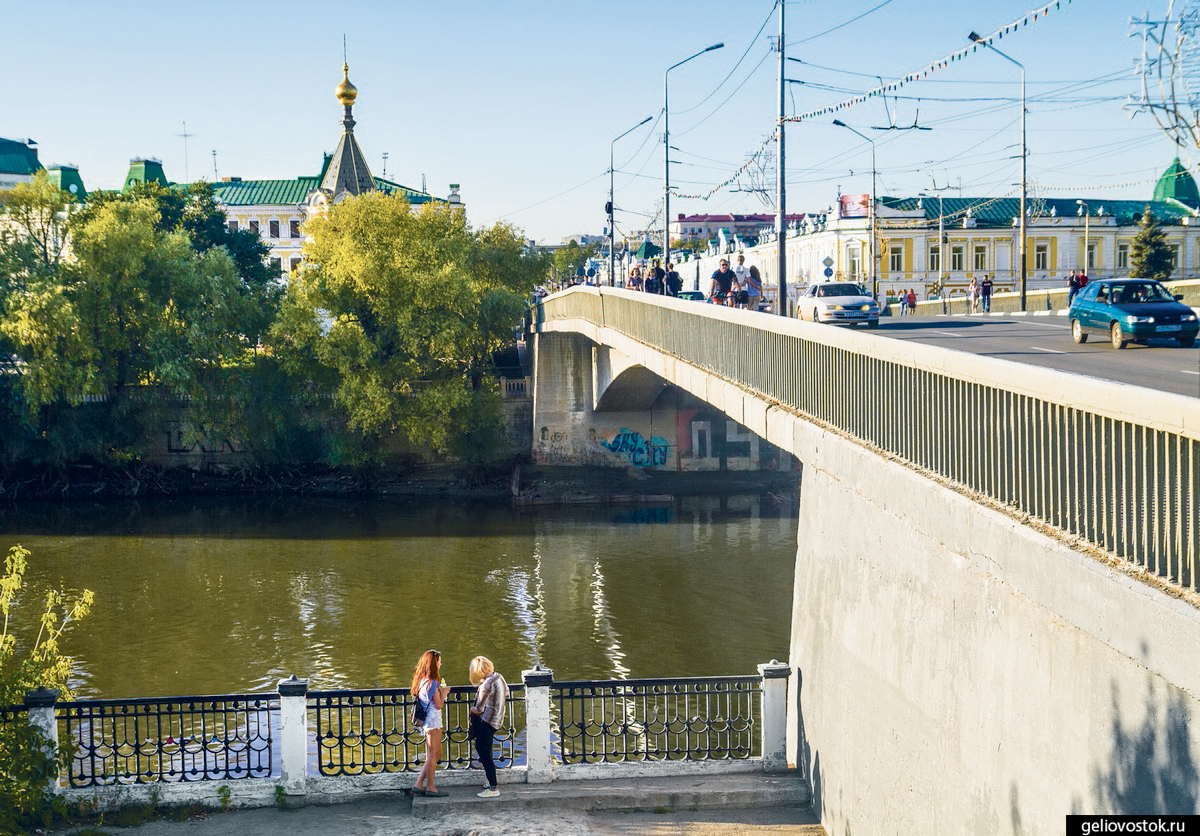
(487, 715)
(427, 687)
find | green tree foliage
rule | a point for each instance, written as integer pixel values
(398, 314)
(1149, 253)
(567, 260)
(26, 765)
(136, 305)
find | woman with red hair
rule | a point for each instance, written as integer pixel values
(431, 692)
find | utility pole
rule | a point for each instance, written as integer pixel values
(185, 135)
(780, 185)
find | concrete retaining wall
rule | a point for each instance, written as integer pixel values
(963, 673)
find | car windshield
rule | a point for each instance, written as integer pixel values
(1139, 292)
(839, 290)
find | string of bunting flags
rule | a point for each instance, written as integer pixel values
(923, 73)
(935, 66)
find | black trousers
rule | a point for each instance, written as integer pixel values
(484, 735)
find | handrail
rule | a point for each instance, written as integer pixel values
(1114, 464)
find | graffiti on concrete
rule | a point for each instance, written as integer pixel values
(637, 449)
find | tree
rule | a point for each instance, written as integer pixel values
(26, 764)
(194, 210)
(398, 313)
(136, 305)
(568, 259)
(1150, 255)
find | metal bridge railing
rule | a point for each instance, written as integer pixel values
(1113, 464)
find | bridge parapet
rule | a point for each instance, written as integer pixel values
(1112, 464)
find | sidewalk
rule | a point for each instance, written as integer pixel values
(694, 806)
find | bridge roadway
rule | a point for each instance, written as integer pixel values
(995, 608)
(1046, 341)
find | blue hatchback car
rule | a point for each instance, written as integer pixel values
(1131, 310)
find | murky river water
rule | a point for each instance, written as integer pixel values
(228, 596)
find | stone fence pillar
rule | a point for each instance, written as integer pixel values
(539, 764)
(293, 734)
(774, 715)
(40, 705)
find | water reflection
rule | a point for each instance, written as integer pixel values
(222, 596)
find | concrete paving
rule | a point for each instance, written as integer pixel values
(693, 806)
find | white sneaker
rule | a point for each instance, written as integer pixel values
(490, 792)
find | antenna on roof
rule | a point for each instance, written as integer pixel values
(185, 136)
(345, 60)
(385, 156)
(216, 177)
(423, 189)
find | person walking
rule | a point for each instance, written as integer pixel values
(1072, 287)
(904, 302)
(431, 691)
(655, 278)
(674, 281)
(912, 302)
(487, 715)
(740, 276)
(753, 288)
(722, 285)
(973, 290)
(635, 279)
(985, 293)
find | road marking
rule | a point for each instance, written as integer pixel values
(1047, 325)
(1189, 371)
(950, 333)
(1047, 350)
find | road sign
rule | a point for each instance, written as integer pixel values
(828, 262)
(828, 272)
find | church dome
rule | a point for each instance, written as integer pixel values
(1177, 184)
(346, 92)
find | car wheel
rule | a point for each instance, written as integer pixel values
(1187, 342)
(1118, 339)
(872, 323)
(815, 316)
(1077, 332)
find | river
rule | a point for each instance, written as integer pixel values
(219, 596)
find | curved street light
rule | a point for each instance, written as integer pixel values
(612, 229)
(871, 211)
(667, 150)
(1024, 160)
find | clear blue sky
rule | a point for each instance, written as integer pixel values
(519, 101)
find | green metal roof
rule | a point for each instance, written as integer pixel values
(143, 171)
(282, 192)
(18, 157)
(67, 178)
(1177, 184)
(1000, 212)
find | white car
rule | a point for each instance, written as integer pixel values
(841, 303)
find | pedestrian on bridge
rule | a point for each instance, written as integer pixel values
(985, 293)
(1072, 287)
(674, 281)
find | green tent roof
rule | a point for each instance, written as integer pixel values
(18, 157)
(1177, 184)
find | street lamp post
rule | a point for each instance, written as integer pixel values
(1086, 211)
(871, 211)
(667, 150)
(1024, 161)
(612, 229)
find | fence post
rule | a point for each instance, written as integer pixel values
(774, 715)
(539, 767)
(293, 734)
(40, 707)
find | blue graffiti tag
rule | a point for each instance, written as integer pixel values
(640, 452)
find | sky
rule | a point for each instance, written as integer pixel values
(521, 101)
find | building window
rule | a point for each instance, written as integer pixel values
(980, 257)
(233, 226)
(273, 226)
(1174, 256)
(935, 258)
(294, 229)
(854, 257)
(254, 227)
(1041, 257)
(1091, 256)
(896, 259)
(1122, 256)
(957, 258)
(295, 264)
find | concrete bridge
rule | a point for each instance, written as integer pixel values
(995, 616)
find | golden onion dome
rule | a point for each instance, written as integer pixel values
(346, 92)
